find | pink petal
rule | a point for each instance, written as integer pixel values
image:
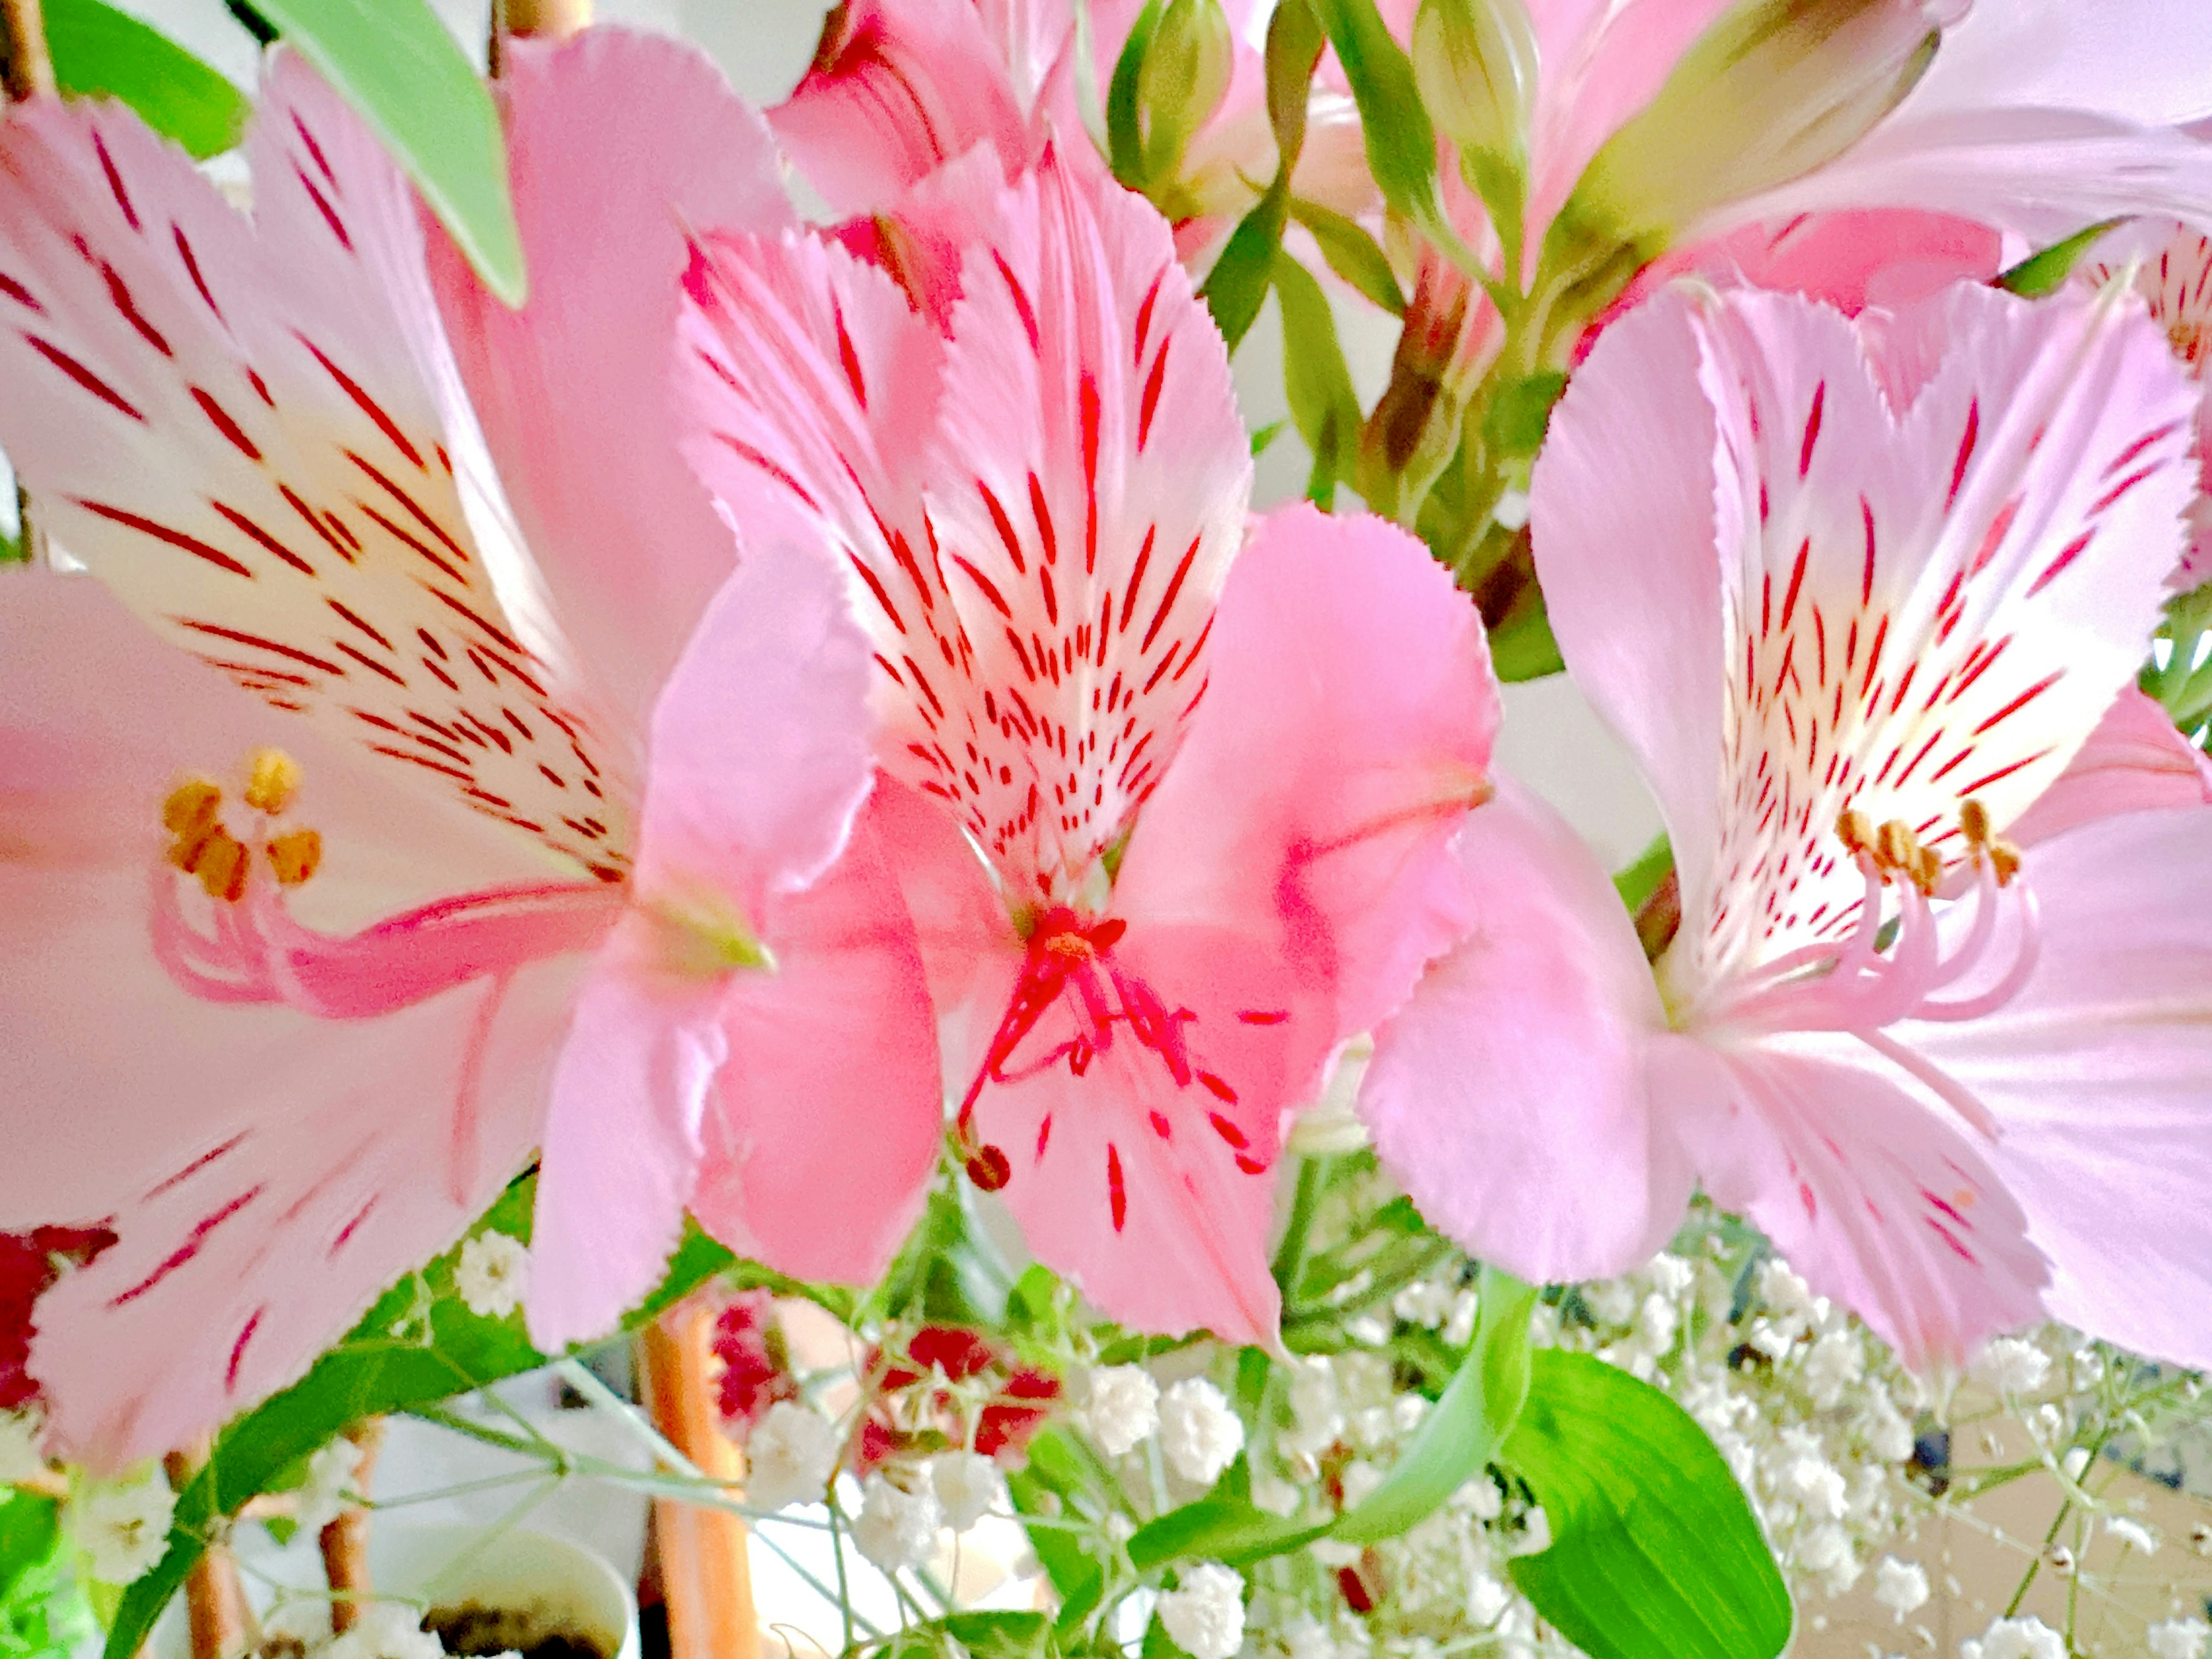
(1509, 1096)
(2096, 1072)
(894, 92)
(1882, 258)
(2146, 60)
(2134, 762)
(1346, 732)
(253, 433)
(1088, 482)
(619, 145)
(267, 1173)
(1869, 1192)
(824, 1128)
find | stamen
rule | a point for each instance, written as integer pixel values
(218, 857)
(295, 855)
(190, 807)
(274, 780)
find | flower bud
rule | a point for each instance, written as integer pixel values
(1773, 90)
(1184, 78)
(1475, 62)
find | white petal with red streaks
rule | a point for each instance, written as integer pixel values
(287, 1167)
(2136, 760)
(1087, 490)
(255, 433)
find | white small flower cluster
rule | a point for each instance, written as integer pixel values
(22, 1435)
(124, 1529)
(790, 1456)
(332, 1473)
(1199, 1433)
(385, 1630)
(493, 1275)
(896, 1528)
(2016, 1638)
(1122, 1408)
(1204, 1612)
(2178, 1638)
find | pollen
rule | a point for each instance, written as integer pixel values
(217, 858)
(274, 780)
(1894, 851)
(295, 855)
(190, 807)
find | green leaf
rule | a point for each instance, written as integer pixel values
(993, 1634)
(1655, 1553)
(1463, 1433)
(1352, 254)
(1520, 411)
(2041, 273)
(1640, 880)
(1219, 1527)
(101, 52)
(418, 1344)
(1316, 380)
(1522, 646)
(1125, 133)
(1236, 287)
(1293, 52)
(397, 65)
(30, 1534)
(1402, 144)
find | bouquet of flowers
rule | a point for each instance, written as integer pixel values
(758, 780)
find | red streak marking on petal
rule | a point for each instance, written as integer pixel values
(162, 533)
(427, 765)
(753, 457)
(1811, 428)
(83, 376)
(358, 621)
(195, 1166)
(1175, 587)
(876, 586)
(1145, 316)
(1950, 1238)
(497, 635)
(1191, 656)
(2127, 455)
(1117, 1196)
(1999, 528)
(268, 542)
(1796, 582)
(330, 213)
(1228, 1131)
(21, 296)
(2070, 552)
(1015, 640)
(315, 152)
(1042, 515)
(120, 297)
(366, 404)
(1162, 1127)
(1866, 576)
(1153, 382)
(2022, 701)
(413, 509)
(1051, 599)
(239, 637)
(115, 183)
(1045, 1135)
(2120, 489)
(193, 269)
(223, 423)
(314, 521)
(369, 663)
(923, 682)
(1965, 451)
(399, 535)
(1020, 299)
(237, 1350)
(2002, 772)
(1005, 526)
(1934, 738)
(188, 1250)
(850, 360)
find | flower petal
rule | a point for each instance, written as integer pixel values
(2136, 760)
(253, 432)
(1509, 1096)
(1867, 1191)
(619, 144)
(2096, 1073)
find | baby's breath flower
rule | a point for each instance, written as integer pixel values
(385, 1630)
(2012, 1366)
(967, 1486)
(1204, 1612)
(2016, 1638)
(1199, 1433)
(493, 1275)
(328, 1486)
(2178, 1639)
(790, 1456)
(895, 1528)
(1900, 1586)
(21, 1433)
(124, 1529)
(1124, 1408)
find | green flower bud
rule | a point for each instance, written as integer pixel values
(1475, 62)
(1184, 78)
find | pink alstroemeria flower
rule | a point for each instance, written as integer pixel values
(1174, 801)
(2170, 264)
(1857, 595)
(300, 863)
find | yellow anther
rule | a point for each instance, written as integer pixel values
(295, 855)
(275, 780)
(218, 857)
(1928, 870)
(1896, 847)
(1974, 823)
(190, 807)
(1854, 832)
(1074, 946)
(2004, 859)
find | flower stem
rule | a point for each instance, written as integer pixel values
(27, 69)
(705, 1575)
(344, 1542)
(215, 1601)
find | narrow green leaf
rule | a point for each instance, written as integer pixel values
(1352, 254)
(1522, 646)
(1402, 144)
(990, 1634)
(1463, 1431)
(1655, 1553)
(1124, 134)
(2041, 273)
(30, 1533)
(1294, 48)
(418, 1344)
(1640, 880)
(101, 52)
(1263, 437)
(1236, 287)
(1219, 1527)
(1520, 412)
(1316, 380)
(396, 64)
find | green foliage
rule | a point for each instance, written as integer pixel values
(1520, 413)
(991, 1635)
(1222, 1526)
(1655, 1553)
(419, 1344)
(1125, 133)
(1640, 880)
(2041, 273)
(1464, 1433)
(1315, 379)
(397, 65)
(1402, 144)
(101, 52)
(1352, 254)
(1238, 285)
(1522, 646)
(42, 1612)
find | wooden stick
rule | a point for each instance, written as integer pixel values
(545, 19)
(345, 1541)
(705, 1577)
(215, 1601)
(27, 70)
